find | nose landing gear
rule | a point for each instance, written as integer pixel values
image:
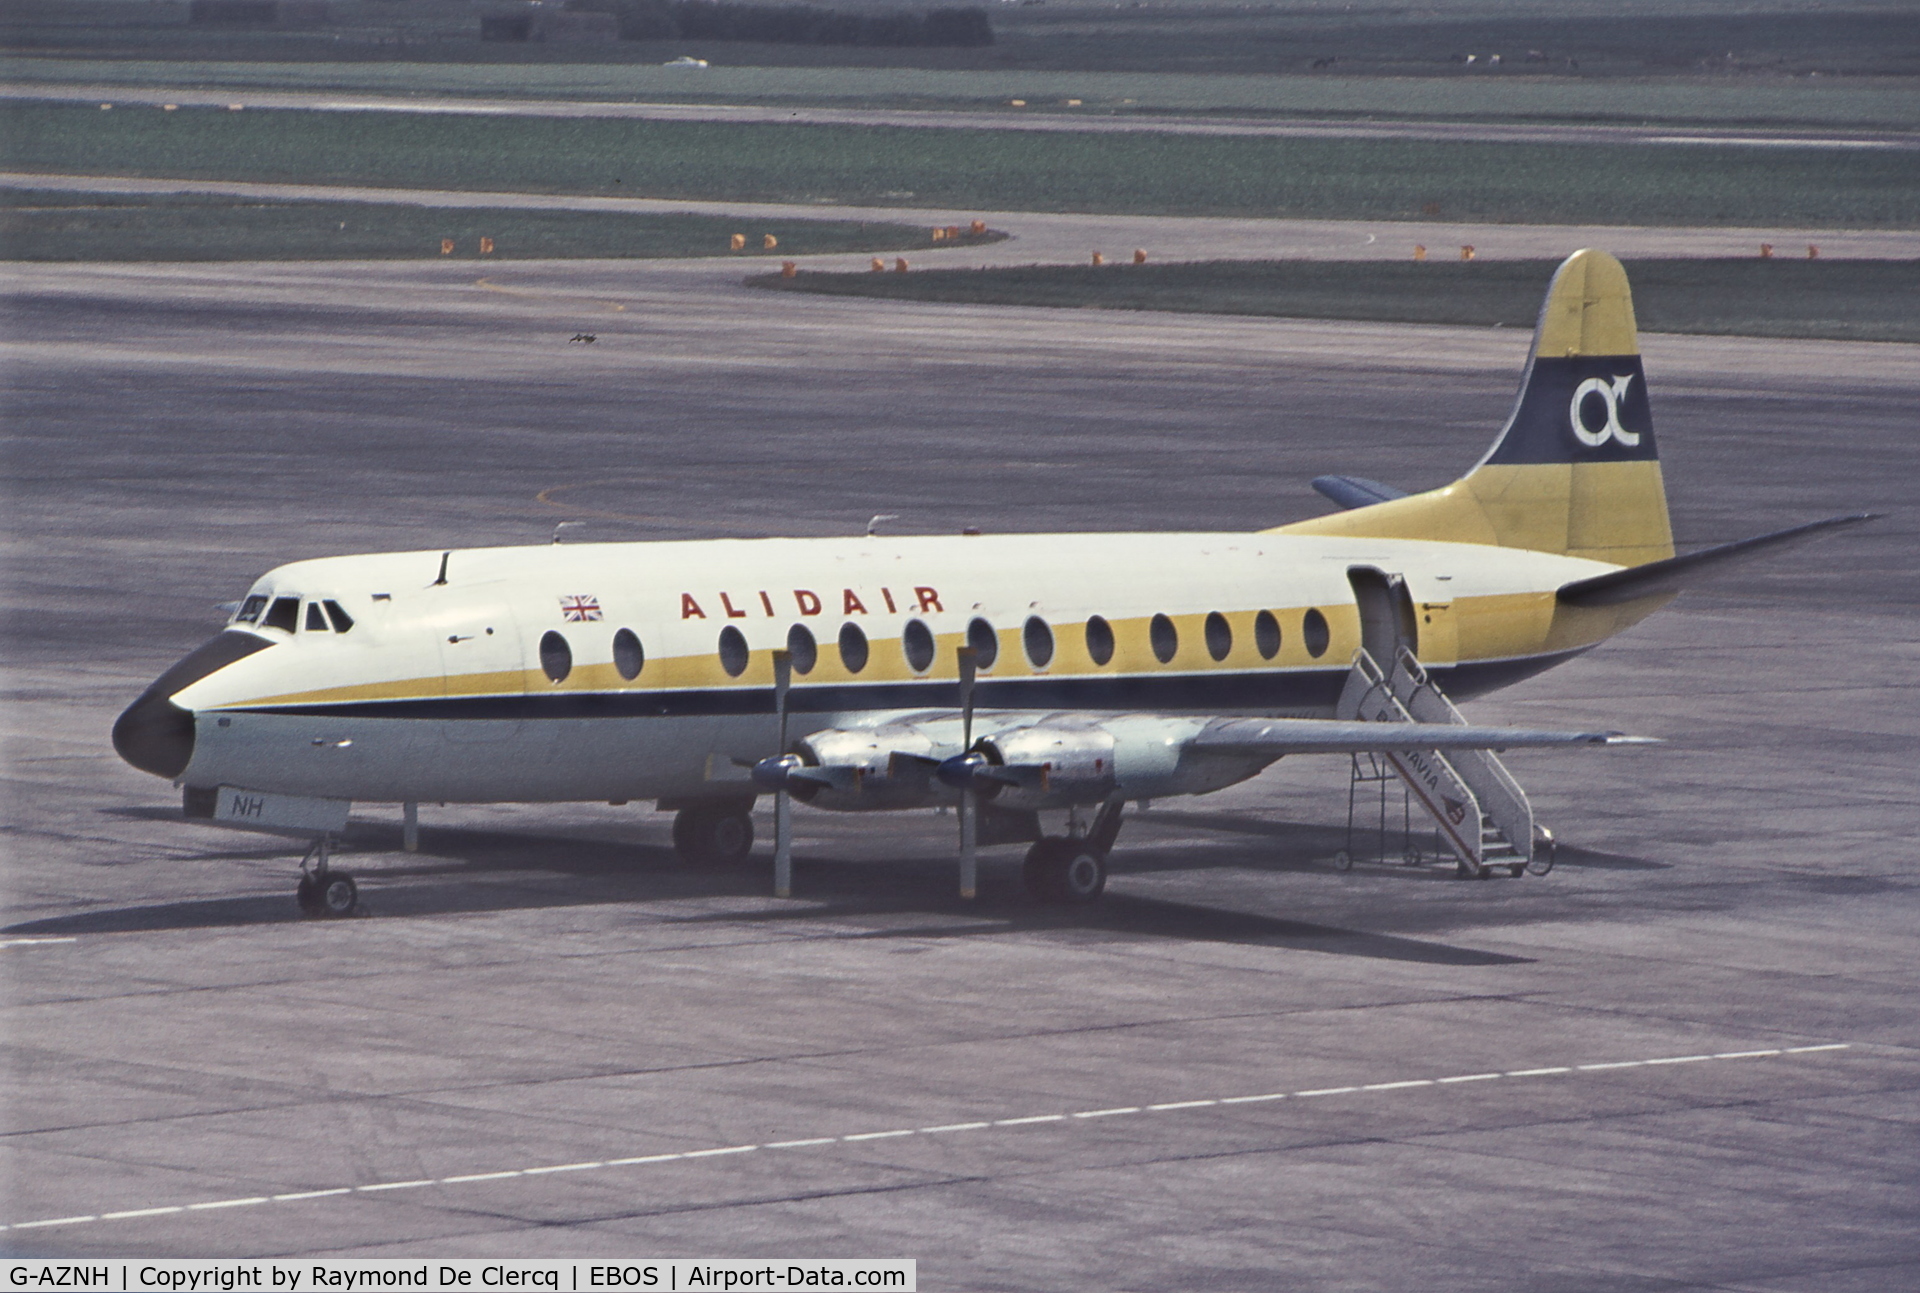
(324, 891)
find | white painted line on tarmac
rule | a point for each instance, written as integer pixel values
(34, 942)
(1171, 1106)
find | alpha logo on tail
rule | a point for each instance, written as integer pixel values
(1597, 400)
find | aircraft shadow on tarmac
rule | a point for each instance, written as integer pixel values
(462, 870)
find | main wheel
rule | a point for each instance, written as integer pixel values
(713, 836)
(1083, 876)
(1062, 870)
(308, 896)
(339, 896)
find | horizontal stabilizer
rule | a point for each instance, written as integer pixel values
(1676, 573)
(1273, 737)
(1356, 491)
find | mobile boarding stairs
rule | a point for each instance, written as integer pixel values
(1482, 814)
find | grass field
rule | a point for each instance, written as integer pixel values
(1851, 300)
(62, 226)
(1770, 102)
(960, 170)
(1573, 38)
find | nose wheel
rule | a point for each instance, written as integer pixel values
(323, 891)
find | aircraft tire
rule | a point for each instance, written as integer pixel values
(713, 836)
(1059, 870)
(339, 895)
(308, 896)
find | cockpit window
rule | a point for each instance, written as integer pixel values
(341, 620)
(251, 608)
(316, 618)
(284, 614)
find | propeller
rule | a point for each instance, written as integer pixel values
(969, 800)
(782, 796)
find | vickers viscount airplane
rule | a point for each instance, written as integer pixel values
(1003, 675)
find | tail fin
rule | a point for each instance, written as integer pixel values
(1575, 469)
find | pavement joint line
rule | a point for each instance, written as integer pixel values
(1167, 1107)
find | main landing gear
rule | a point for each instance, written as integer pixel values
(324, 891)
(714, 834)
(1073, 869)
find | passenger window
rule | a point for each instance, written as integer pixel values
(802, 649)
(1219, 635)
(853, 647)
(250, 609)
(1314, 633)
(1164, 638)
(916, 643)
(284, 614)
(985, 643)
(628, 658)
(341, 620)
(733, 651)
(1099, 640)
(1039, 642)
(556, 657)
(1266, 635)
(316, 618)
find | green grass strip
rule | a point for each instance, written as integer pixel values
(1851, 300)
(963, 170)
(46, 225)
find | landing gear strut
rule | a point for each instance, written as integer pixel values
(714, 834)
(324, 891)
(1066, 869)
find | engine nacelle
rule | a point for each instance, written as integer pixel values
(1047, 764)
(870, 768)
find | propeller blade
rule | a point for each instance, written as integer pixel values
(969, 800)
(782, 797)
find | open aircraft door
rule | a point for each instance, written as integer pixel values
(1432, 601)
(1388, 618)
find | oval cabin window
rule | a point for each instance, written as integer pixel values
(556, 657)
(985, 643)
(1039, 642)
(916, 644)
(628, 658)
(1219, 635)
(853, 647)
(1266, 635)
(1164, 638)
(733, 651)
(1099, 640)
(803, 650)
(1314, 633)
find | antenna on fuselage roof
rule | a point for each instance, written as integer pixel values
(563, 525)
(873, 526)
(443, 571)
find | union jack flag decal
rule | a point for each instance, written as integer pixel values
(579, 610)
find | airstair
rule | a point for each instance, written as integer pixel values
(1481, 814)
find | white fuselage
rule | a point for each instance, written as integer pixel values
(455, 690)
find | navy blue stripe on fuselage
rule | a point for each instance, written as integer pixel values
(1268, 690)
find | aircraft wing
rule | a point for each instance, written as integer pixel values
(1274, 737)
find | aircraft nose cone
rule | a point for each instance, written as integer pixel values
(154, 734)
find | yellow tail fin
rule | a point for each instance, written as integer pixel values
(1575, 469)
